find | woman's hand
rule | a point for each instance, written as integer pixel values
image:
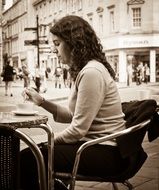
(32, 95)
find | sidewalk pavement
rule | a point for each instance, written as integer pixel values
(53, 93)
(148, 176)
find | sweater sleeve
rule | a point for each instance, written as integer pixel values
(90, 86)
(63, 115)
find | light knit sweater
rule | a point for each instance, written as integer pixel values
(94, 108)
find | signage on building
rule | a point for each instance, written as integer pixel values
(35, 42)
(135, 43)
(131, 42)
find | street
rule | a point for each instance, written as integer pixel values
(60, 95)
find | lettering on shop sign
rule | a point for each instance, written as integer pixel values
(136, 43)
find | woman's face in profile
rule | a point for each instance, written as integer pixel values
(61, 49)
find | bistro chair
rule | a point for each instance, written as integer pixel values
(9, 158)
(137, 125)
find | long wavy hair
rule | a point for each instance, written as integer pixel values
(78, 34)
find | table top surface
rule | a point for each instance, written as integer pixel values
(12, 119)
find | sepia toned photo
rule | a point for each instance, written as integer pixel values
(79, 94)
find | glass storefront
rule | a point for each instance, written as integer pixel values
(138, 66)
(114, 62)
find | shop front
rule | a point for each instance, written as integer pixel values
(129, 54)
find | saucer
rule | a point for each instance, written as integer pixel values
(17, 112)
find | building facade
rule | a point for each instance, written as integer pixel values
(2, 3)
(133, 36)
(128, 30)
(15, 20)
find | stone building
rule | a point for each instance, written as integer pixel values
(132, 36)
(15, 20)
(128, 30)
(1, 42)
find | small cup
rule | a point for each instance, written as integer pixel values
(25, 107)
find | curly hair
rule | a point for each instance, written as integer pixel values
(83, 42)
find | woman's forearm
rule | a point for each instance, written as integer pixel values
(49, 106)
(60, 113)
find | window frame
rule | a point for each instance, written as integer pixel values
(112, 23)
(138, 24)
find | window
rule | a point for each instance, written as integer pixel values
(90, 21)
(112, 22)
(73, 5)
(79, 4)
(90, 3)
(136, 17)
(60, 5)
(111, 10)
(55, 6)
(100, 24)
(90, 18)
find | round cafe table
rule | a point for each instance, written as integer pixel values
(15, 121)
(22, 121)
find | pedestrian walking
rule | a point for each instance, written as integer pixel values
(129, 74)
(37, 78)
(146, 73)
(8, 77)
(139, 73)
(14, 74)
(94, 106)
(20, 73)
(58, 76)
(65, 76)
(26, 76)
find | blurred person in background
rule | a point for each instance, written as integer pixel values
(58, 76)
(8, 77)
(26, 76)
(37, 78)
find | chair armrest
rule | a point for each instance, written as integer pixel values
(104, 139)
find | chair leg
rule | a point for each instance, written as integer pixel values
(128, 184)
(72, 185)
(115, 187)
